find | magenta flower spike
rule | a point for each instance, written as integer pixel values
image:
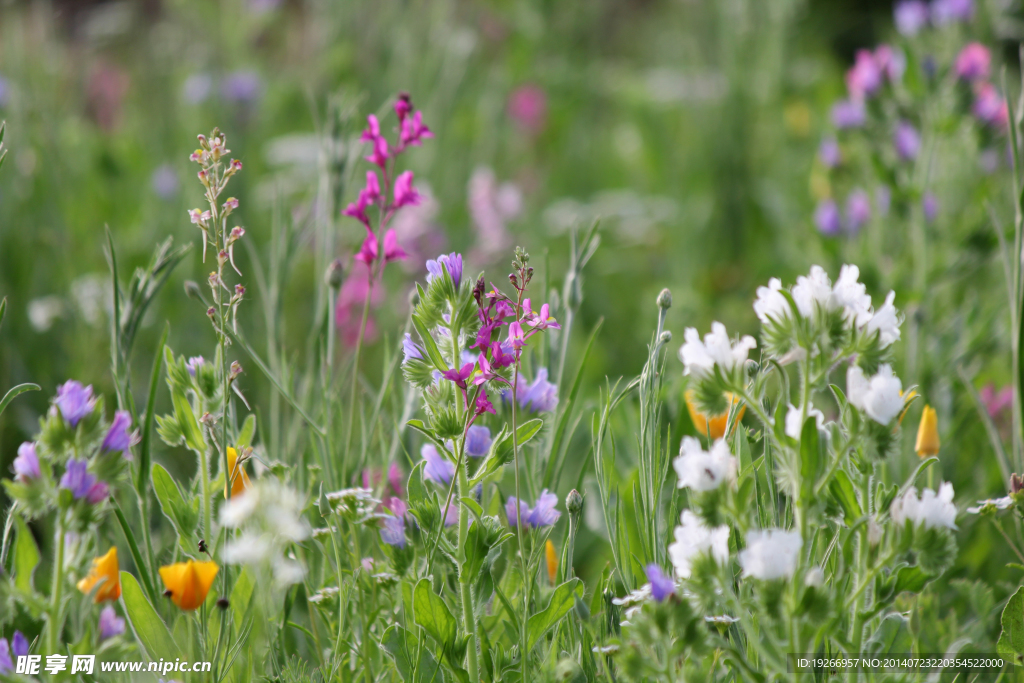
(372, 131)
(405, 193)
(483, 404)
(459, 377)
(368, 252)
(516, 336)
(379, 156)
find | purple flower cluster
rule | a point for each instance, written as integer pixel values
(9, 652)
(438, 468)
(119, 437)
(82, 484)
(74, 401)
(110, 624)
(911, 16)
(540, 395)
(393, 530)
(26, 465)
(662, 585)
(541, 514)
(452, 263)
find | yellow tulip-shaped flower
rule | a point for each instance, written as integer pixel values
(716, 424)
(105, 570)
(552, 558)
(236, 474)
(188, 582)
(928, 433)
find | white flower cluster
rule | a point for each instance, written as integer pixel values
(848, 295)
(700, 357)
(694, 538)
(700, 470)
(771, 554)
(270, 518)
(931, 510)
(794, 424)
(880, 396)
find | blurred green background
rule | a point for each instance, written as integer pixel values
(688, 126)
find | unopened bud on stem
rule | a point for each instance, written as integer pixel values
(665, 299)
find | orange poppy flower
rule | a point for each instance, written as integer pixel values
(239, 479)
(104, 569)
(716, 423)
(188, 583)
(552, 558)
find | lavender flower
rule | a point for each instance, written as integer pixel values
(197, 88)
(848, 114)
(827, 218)
(194, 363)
(393, 531)
(77, 479)
(118, 437)
(450, 262)
(478, 441)
(930, 206)
(947, 11)
(910, 16)
(883, 198)
(164, 181)
(907, 141)
(6, 663)
(411, 349)
(110, 624)
(829, 154)
(662, 585)
(26, 465)
(540, 396)
(858, 210)
(19, 645)
(438, 468)
(242, 87)
(542, 514)
(74, 401)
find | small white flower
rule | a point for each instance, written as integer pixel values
(771, 554)
(692, 539)
(700, 357)
(770, 303)
(812, 289)
(703, 471)
(44, 311)
(886, 322)
(997, 503)
(323, 594)
(852, 296)
(287, 571)
(248, 548)
(605, 649)
(794, 424)
(879, 397)
(930, 511)
(724, 619)
(237, 509)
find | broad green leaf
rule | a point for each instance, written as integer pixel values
(810, 457)
(401, 646)
(891, 637)
(842, 489)
(911, 579)
(241, 594)
(187, 422)
(172, 503)
(248, 432)
(1011, 638)
(149, 628)
(433, 614)
(26, 557)
(429, 345)
(562, 600)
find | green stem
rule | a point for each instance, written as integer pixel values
(53, 633)
(465, 578)
(523, 654)
(204, 464)
(355, 370)
(857, 633)
(364, 640)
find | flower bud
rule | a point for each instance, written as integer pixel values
(335, 274)
(928, 434)
(211, 311)
(665, 337)
(665, 299)
(1016, 483)
(574, 502)
(236, 370)
(514, 280)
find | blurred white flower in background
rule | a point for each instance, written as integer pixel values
(771, 554)
(930, 510)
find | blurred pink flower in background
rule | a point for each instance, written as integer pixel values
(491, 206)
(348, 312)
(419, 232)
(996, 401)
(105, 91)
(528, 107)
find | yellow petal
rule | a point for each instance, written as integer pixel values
(104, 572)
(239, 479)
(189, 582)
(928, 433)
(552, 558)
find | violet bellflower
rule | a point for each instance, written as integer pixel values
(110, 624)
(540, 515)
(540, 396)
(26, 465)
(948, 11)
(438, 468)
(81, 483)
(478, 441)
(118, 436)
(848, 114)
(858, 210)
(662, 585)
(74, 401)
(829, 153)
(910, 17)
(450, 262)
(19, 645)
(411, 349)
(393, 531)
(906, 141)
(6, 663)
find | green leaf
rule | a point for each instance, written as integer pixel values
(891, 637)
(562, 600)
(429, 345)
(133, 548)
(912, 579)
(146, 445)
(842, 490)
(248, 432)
(172, 503)
(26, 557)
(3, 302)
(1011, 638)
(433, 615)
(150, 630)
(14, 392)
(187, 422)
(401, 646)
(502, 453)
(241, 595)
(810, 457)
